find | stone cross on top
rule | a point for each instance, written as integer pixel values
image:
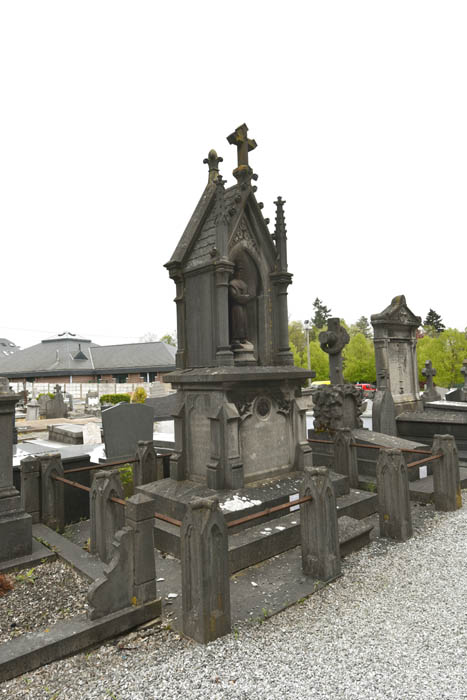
(429, 372)
(333, 342)
(239, 138)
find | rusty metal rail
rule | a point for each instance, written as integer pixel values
(424, 461)
(84, 488)
(246, 518)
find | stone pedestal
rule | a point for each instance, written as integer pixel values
(235, 425)
(15, 524)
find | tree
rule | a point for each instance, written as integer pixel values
(446, 351)
(297, 336)
(361, 326)
(169, 339)
(359, 360)
(433, 323)
(148, 337)
(321, 314)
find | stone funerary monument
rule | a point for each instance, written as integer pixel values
(240, 416)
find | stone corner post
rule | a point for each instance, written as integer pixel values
(145, 467)
(205, 571)
(52, 491)
(345, 456)
(318, 526)
(446, 478)
(395, 517)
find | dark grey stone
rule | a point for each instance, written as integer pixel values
(68, 433)
(124, 425)
(384, 413)
(148, 466)
(345, 456)
(333, 341)
(337, 406)
(52, 493)
(163, 406)
(395, 518)
(318, 526)
(107, 517)
(205, 572)
(446, 478)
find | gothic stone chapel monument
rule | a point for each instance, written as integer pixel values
(240, 416)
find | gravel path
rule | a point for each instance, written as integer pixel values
(393, 627)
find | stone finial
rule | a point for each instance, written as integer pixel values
(213, 161)
(280, 234)
(243, 172)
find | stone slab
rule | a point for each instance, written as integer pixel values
(226, 375)
(29, 651)
(88, 565)
(447, 405)
(124, 425)
(15, 535)
(38, 555)
(68, 433)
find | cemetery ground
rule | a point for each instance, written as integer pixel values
(393, 626)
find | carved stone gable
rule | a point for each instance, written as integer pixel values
(242, 233)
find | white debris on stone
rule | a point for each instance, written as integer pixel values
(238, 503)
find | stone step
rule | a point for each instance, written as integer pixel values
(261, 542)
(421, 490)
(265, 537)
(171, 497)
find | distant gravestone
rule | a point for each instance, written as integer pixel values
(125, 424)
(383, 411)
(56, 407)
(430, 393)
(92, 400)
(33, 410)
(91, 434)
(43, 404)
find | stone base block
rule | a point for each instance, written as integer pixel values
(15, 535)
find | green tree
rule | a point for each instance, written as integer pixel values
(169, 339)
(297, 335)
(299, 358)
(446, 351)
(433, 323)
(359, 360)
(321, 314)
(319, 361)
(361, 326)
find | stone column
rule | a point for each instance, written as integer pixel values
(106, 516)
(280, 282)
(395, 517)
(205, 571)
(224, 355)
(178, 458)
(145, 468)
(31, 487)
(139, 515)
(345, 456)
(177, 276)
(225, 468)
(15, 524)
(446, 478)
(318, 526)
(52, 492)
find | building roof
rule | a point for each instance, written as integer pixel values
(67, 354)
(7, 348)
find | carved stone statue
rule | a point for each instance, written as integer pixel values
(239, 298)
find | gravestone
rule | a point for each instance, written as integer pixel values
(43, 405)
(124, 425)
(56, 407)
(460, 393)
(15, 524)
(91, 434)
(33, 410)
(430, 393)
(383, 410)
(91, 401)
(239, 411)
(395, 341)
(337, 405)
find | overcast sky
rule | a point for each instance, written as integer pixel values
(359, 110)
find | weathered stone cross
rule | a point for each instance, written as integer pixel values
(333, 341)
(240, 139)
(429, 372)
